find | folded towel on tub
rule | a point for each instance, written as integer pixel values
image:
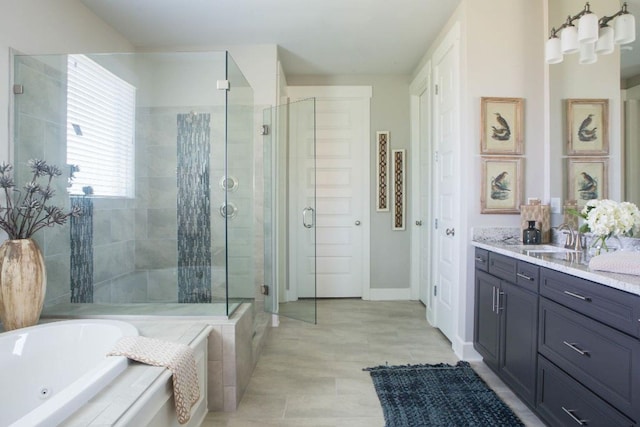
(178, 358)
(626, 262)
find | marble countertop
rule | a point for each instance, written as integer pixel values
(573, 263)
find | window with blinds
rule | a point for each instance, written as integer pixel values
(100, 129)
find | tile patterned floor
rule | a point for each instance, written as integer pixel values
(311, 375)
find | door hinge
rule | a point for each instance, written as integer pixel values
(436, 223)
(437, 89)
(435, 290)
(435, 156)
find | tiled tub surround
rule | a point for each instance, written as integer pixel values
(234, 344)
(142, 394)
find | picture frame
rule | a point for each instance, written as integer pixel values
(398, 161)
(501, 126)
(587, 179)
(382, 171)
(587, 127)
(501, 185)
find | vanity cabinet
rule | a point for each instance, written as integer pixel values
(588, 335)
(506, 319)
(569, 347)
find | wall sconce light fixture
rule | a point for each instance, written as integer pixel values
(592, 36)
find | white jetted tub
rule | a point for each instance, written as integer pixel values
(49, 371)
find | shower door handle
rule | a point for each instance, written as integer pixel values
(305, 221)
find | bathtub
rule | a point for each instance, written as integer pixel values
(50, 370)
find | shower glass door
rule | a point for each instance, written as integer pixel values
(290, 210)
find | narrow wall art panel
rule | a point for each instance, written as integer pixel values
(382, 171)
(399, 198)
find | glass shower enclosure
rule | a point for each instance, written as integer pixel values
(290, 210)
(157, 150)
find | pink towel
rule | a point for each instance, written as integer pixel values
(178, 358)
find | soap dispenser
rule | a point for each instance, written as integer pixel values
(531, 235)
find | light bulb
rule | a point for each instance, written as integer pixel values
(587, 53)
(588, 28)
(552, 51)
(605, 45)
(569, 40)
(625, 28)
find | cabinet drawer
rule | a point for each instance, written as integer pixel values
(527, 276)
(598, 356)
(503, 266)
(613, 307)
(482, 259)
(562, 401)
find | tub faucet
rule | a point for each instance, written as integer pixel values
(571, 237)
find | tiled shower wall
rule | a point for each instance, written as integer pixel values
(135, 241)
(40, 132)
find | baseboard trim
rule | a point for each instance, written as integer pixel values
(390, 294)
(465, 351)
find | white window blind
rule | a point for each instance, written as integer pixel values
(100, 129)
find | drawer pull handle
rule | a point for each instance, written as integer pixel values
(571, 294)
(573, 417)
(524, 276)
(493, 299)
(573, 347)
(482, 260)
(499, 302)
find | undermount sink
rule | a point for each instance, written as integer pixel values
(544, 249)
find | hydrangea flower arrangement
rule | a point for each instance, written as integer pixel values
(606, 218)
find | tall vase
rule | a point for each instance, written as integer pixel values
(23, 283)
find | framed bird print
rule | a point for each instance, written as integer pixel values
(501, 125)
(587, 127)
(502, 185)
(587, 179)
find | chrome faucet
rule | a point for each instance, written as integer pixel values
(571, 242)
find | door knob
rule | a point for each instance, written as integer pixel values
(357, 222)
(418, 223)
(450, 231)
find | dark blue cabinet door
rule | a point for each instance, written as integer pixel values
(487, 320)
(519, 312)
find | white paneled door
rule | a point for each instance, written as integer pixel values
(340, 173)
(447, 186)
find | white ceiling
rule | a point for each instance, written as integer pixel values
(315, 36)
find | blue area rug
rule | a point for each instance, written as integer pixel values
(438, 395)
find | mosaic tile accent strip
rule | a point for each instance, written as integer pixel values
(382, 174)
(399, 177)
(81, 255)
(194, 208)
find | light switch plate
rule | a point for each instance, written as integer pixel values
(555, 205)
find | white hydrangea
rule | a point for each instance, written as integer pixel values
(610, 218)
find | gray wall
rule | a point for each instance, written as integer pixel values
(390, 249)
